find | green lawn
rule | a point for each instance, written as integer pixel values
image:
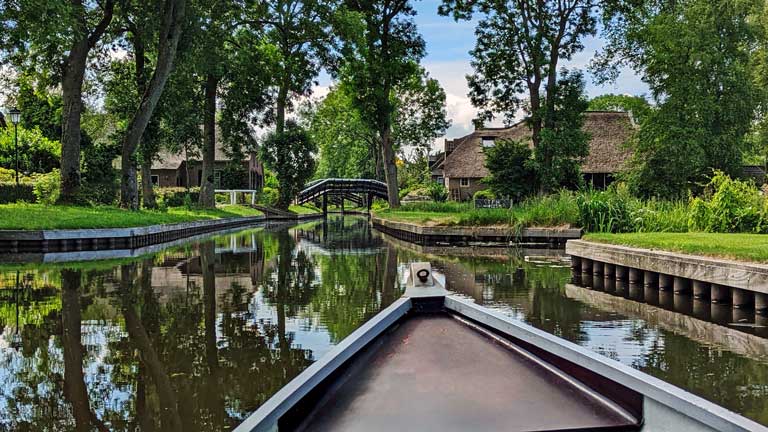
(37, 216)
(743, 247)
(304, 209)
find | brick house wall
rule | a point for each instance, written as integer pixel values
(457, 192)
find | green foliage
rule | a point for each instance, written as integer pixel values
(511, 173)
(484, 195)
(100, 178)
(438, 192)
(177, 196)
(9, 193)
(40, 108)
(697, 58)
(729, 206)
(234, 176)
(46, 187)
(289, 155)
(269, 196)
(37, 154)
(563, 143)
(637, 105)
(603, 211)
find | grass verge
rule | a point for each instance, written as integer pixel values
(741, 247)
(41, 217)
(304, 209)
(557, 210)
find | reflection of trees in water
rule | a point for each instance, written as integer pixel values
(353, 289)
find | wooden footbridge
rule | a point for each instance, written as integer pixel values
(338, 190)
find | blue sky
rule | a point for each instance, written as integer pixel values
(448, 45)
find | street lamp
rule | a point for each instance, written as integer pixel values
(15, 115)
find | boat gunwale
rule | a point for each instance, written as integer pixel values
(687, 404)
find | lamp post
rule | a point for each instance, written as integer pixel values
(15, 115)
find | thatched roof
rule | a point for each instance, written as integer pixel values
(169, 160)
(607, 154)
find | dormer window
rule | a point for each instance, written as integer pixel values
(488, 142)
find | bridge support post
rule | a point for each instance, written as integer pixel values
(342, 204)
(325, 203)
(370, 201)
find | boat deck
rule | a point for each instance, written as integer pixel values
(435, 373)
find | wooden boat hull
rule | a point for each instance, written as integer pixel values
(421, 364)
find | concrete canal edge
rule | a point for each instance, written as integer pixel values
(464, 235)
(740, 284)
(44, 241)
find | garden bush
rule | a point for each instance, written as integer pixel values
(177, 196)
(8, 192)
(47, 187)
(729, 206)
(438, 192)
(484, 194)
(268, 196)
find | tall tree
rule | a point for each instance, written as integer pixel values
(697, 58)
(300, 30)
(171, 27)
(520, 45)
(348, 145)
(35, 34)
(382, 50)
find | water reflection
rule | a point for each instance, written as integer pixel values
(198, 336)
(193, 338)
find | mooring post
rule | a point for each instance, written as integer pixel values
(761, 302)
(621, 273)
(681, 285)
(651, 279)
(665, 282)
(720, 294)
(700, 289)
(741, 298)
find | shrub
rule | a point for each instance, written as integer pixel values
(47, 187)
(728, 206)
(438, 192)
(484, 194)
(234, 176)
(509, 164)
(37, 154)
(268, 196)
(9, 193)
(177, 196)
(100, 178)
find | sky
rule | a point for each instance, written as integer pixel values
(448, 44)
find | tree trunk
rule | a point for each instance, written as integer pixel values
(140, 339)
(207, 188)
(72, 101)
(390, 168)
(72, 108)
(282, 101)
(170, 33)
(147, 191)
(75, 389)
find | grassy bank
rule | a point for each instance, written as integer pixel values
(37, 216)
(742, 247)
(304, 209)
(558, 210)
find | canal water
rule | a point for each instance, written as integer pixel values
(199, 335)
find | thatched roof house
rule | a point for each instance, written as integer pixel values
(464, 163)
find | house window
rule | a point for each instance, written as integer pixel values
(464, 182)
(217, 178)
(155, 179)
(488, 142)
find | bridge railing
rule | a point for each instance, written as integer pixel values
(315, 189)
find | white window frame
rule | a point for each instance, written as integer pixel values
(464, 182)
(488, 142)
